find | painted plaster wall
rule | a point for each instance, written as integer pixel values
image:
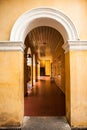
(67, 84)
(58, 68)
(38, 70)
(10, 10)
(25, 76)
(78, 90)
(42, 63)
(47, 65)
(34, 74)
(11, 88)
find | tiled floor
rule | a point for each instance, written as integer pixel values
(45, 99)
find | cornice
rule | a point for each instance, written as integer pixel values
(75, 45)
(11, 46)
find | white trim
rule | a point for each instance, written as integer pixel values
(43, 17)
(75, 45)
(12, 46)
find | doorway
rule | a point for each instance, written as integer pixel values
(42, 71)
(46, 93)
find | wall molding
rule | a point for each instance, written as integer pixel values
(11, 46)
(43, 17)
(74, 45)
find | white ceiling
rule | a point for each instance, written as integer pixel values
(45, 40)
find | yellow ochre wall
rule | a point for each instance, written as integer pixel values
(42, 63)
(67, 86)
(47, 65)
(78, 91)
(11, 88)
(76, 87)
(58, 68)
(10, 10)
(38, 70)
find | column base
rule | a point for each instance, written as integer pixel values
(11, 128)
(77, 128)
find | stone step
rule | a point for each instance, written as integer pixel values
(45, 123)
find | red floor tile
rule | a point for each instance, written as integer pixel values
(45, 99)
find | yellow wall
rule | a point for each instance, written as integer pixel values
(67, 86)
(42, 63)
(34, 68)
(58, 68)
(10, 10)
(25, 76)
(38, 70)
(47, 65)
(78, 88)
(34, 74)
(11, 88)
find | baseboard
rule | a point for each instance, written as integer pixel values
(76, 128)
(10, 128)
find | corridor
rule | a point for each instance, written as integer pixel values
(45, 99)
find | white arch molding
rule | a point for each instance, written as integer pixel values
(43, 17)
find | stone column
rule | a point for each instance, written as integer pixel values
(25, 76)
(29, 70)
(76, 82)
(38, 69)
(11, 84)
(34, 69)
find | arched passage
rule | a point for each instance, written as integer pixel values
(45, 17)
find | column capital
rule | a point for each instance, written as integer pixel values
(74, 45)
(11, 46)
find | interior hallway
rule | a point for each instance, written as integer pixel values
(45, 99)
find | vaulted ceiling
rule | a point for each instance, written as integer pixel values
(45, 41)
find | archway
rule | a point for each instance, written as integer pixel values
(47, 17)
(43, 17)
